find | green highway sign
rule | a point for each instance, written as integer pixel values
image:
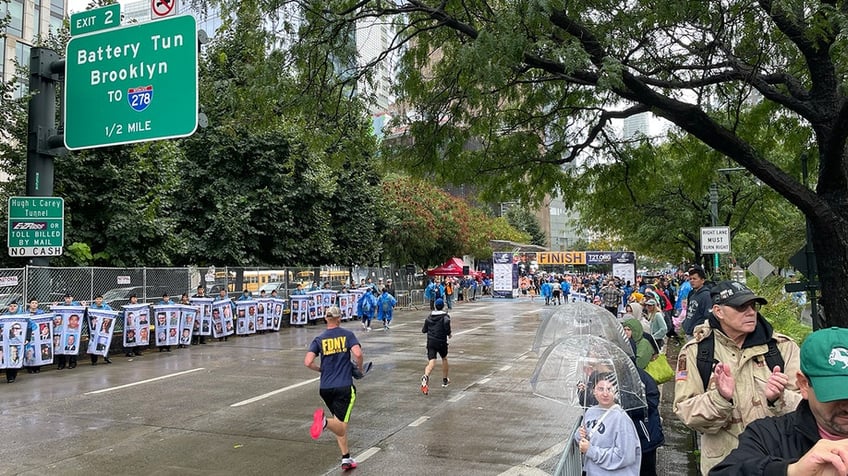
(96, 19)
(131, 84)
(36, 226)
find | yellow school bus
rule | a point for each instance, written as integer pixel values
(254, 280)
(336, 277)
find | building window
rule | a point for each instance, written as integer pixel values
(2, 59)
(22, 56)
(15, 9)
(57, 15)
(36, 17)
(57, 8)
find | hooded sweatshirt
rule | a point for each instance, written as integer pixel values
(636, 314)
(644, 349)
(437, 327)
(614, 446)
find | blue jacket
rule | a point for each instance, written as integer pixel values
(388, 301)
(429, 291)
(366, 306)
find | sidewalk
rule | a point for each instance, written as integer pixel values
(676, 456)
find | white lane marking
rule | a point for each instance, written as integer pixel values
(483, 381)
(367, 454)
(505, 368)
(529, 467)
(457, 398)
(419, 421)
(271, 394)
(523, 357)
(119, 387)
(467, 331)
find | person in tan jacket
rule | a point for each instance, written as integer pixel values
(741, 387)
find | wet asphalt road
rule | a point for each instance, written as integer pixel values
(244, 407)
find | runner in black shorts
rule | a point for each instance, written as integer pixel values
(335, 346)
(438, 329)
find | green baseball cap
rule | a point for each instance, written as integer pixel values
(824, 360)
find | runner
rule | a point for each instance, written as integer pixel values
(438, 329)
(335, 346)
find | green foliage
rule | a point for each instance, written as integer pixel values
(425, 225)
(79, 254)
(522, 219)
(781, 312)
(653, 199)
(123, 211)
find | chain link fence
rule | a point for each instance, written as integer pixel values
(49, 285)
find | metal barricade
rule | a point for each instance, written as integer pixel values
(410, 300)
(571, 460)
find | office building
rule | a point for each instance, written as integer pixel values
(29, 20)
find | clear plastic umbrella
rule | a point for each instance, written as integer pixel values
(566, 369)
(580, 319)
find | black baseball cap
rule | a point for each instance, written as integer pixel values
(733, 293)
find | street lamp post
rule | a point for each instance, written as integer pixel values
(714, 218)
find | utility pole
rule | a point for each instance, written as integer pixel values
(714, 219)
(44, 140)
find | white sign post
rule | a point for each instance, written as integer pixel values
(715, 239)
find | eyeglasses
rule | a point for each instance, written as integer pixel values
(755, 305)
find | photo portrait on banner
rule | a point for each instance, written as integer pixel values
(279, 308)
(39, 348)
(246, 317)
(222, 318)
(101, 325)
(12, 335)
(67, 329)
(264, 313)
(166, 321)
(299, 309)
(346, 302)
(188, 319)
(203, 325)
(357, 293)
(316, 305)
(136, 325)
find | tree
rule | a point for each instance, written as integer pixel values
(653, 199)
(262, 184)
(425, 225)
(512, 91)
(522, 219)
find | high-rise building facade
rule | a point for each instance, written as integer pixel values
(636, 126)
(29, 20)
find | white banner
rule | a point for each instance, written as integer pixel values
(222, 318)
(246, 317)
(101, 323)
(299, 309)
(39, 349)
(136, 325)
(67, 328)
(12, 336)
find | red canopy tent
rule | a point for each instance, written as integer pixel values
(451, 267)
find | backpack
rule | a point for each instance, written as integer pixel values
(706, 358)
(386, 306)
